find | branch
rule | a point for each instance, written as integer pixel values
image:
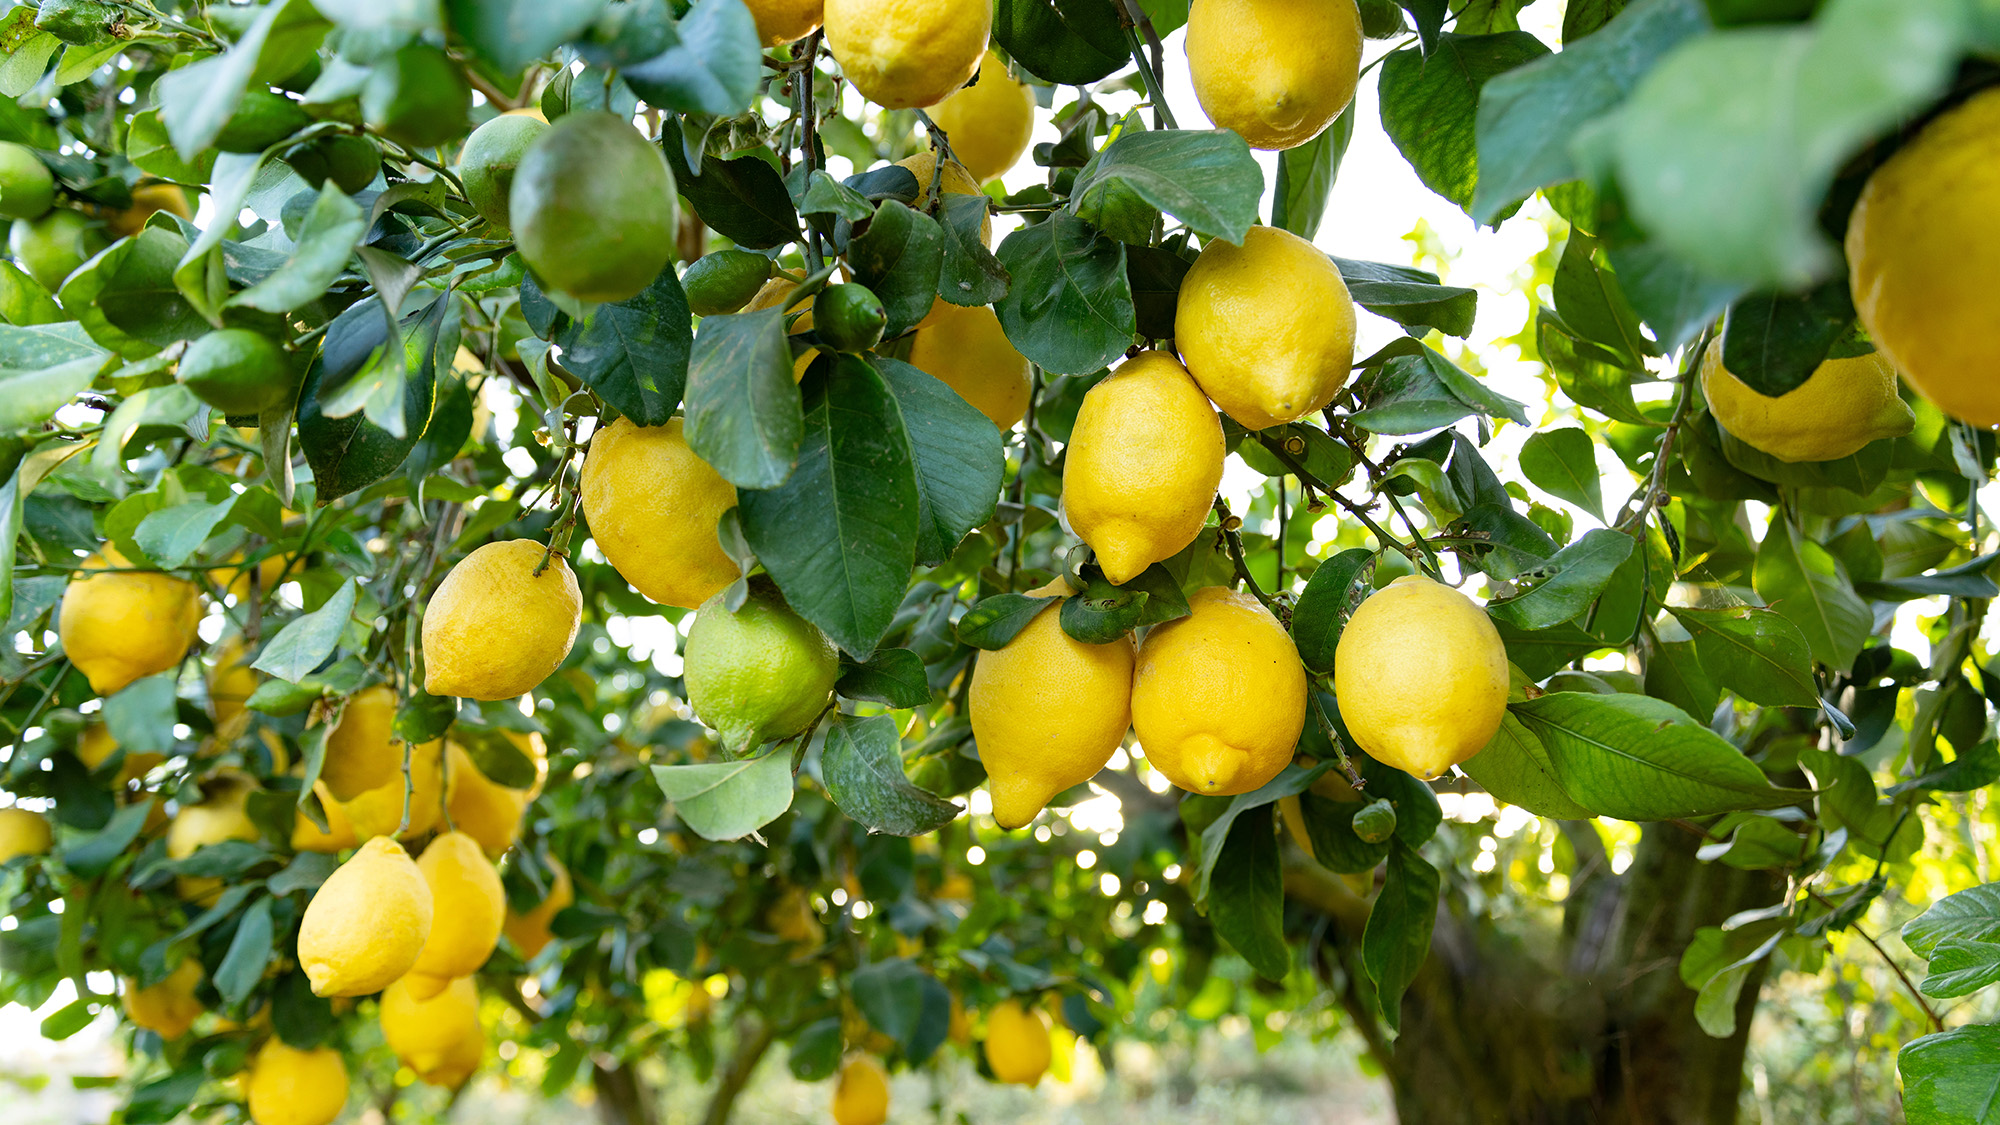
(756, 1039)
(1656, 485)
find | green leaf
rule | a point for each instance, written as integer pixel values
(1405, 396)
(1102, 612)
(743, 412)
(1306, 175)
(1070, 307)
(126, 299)
(93, 855)
(249, 953)
(1717, 962)
(634, 353)
(968, 274)
(350, 453)
(1324, 605)
(743, 199)
(1966, 580)
(893, 677)
(1592, 305)
(1968, 916)
(840, 535)
(863, 767)
(1291, 781)
(1062, 42)
(1953, 1077)
(307, 640)
(996, 620)
(1409, 296)
(716, 67)
(1247, 903)
(828, 196)
(28, 51)
(815, 1051)
(1428, 16)
(196, 101)
(729, 800)
(1774, 341)
(1430, 100)
(958, 456)
(514, 33)
(165, 1099)
(1472, 392)
(1758, 843)
(41, 368)
(897, 255)
(1753, 652)
(1567, 583)
(1397, 937)
(171, 536)
(23, 301)
(1973, 769)
(1635, 758)
(1207, 179)
(1591, 376)
(1516, 768)
(1960, 968)
(1563, 463)
(1801, 581)
(904, 1003)
(326, 242)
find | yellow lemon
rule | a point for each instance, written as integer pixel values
(1266, 328)
(783, 21)
(219, 816)
(482, 808)
(430, 1034)
(230, 681)
(908, 53)
(495, 629)
(1047, 711)
(292, 1087)
(148, 200)
(362, 750)
(1142, 466)
(1421, 675)
(954, 180)
(1219, 696)
(366, 924)
(1923, 259)
(1843, 405)
(126, 624)
(467, 907)
(861, 1095)
(23, 832)
(95, 747)
(380, 811)
(530, 931)
(1276, 71)
(339, 835)
(652, 506)
(968, 351)
(1017, 1043)
(760, 673)
(169, 1007)
(988, 122)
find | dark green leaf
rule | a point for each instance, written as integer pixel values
(1593, 306)
(1155, 276)
(969, 274)
(1800, 580)
(1323, 607)
(1246, 899)
(1953, 1077)
(634, 353)
(716, 67)
(326, 239)
(958, 457)
(1753, 652)
(1062, 42)
(1102, 612)
(1397, 937)
(828, 196)
(743, 412)
(1970, 915)
(815, 1052)
(126, 298)
(93, 855)
(1960, 968)
(898, 255)
(307, 640)
(1306, 175)
(1516, 768)
(1563, 463)
(1430, 99)
(514, 33)
(1774, 342)
(249, 952)
(1208, 180)
(1568, 583)
(994, 621)
(743, 199)
(1591, 376)
(1674, 299)
(863, 767)
(893, 677)
(1409, 296)
(350, 453)
(1070, 307)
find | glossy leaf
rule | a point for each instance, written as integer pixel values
(729, 800)
(863, 767)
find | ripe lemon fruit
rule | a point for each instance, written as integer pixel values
(380, 811)
(861, 1094)
(148, 200)
(784, 21)
(652, 506)
(27, 188)
(1421, 675)
(1276, 71)
(1266, 328)
(121, 625)
(1142, 465)
(1923, 259)
(219, 816)
(366, 924)
(468, 905)
(495, 629)
(51, 247)
(237, 371)
(1047, 711)
(292, 1087)
(23, 832)
(431, 1035)
(903, 55)
(530, 931)
(1219, 696)
(760, 673)
(362, 750)
(989, 122)
(95, 747)
(231, 681)
(484, 809)
(955, 180)
(592, 207)
(968, 351)
(168, 1008)
(1017, 1043)
(339, 835)
(1843, 405)
(492, 154)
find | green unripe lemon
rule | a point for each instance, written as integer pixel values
(51, 247)
(760, 673)
(350, 162)
(261, 120)
(593, 208)
(416, 97)
(725, 281)
(492, 153)
(237, 371)
(849, 317)
(27, 190)
(1375, 821)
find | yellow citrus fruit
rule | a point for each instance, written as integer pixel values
(495, 629)
(148, 200)
(169, 1007)
(380, 811)
(362, 750)
(1276, 71)
(231, 681)
(783, 21)
(1421, 675)
(652, 506)
(236, 580)
(906, 54)
(95, 747)
(1017, 1043)
(861, 1094)
(219, 816)
(124, 624)
(292, 1087)
(1219, 696)
(1842, 406)
(339, 836)
(989, 122)
(1048, 710)
(23, 832)
(968, 351)
(1266, 328)
(484, 809)
(1923, 259)
(467, 907)
(760, 673)
(530, 931)
(366, 924)
(1142, 466)
(435, 1035)
(954, 180)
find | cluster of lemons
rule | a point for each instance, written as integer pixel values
(1018, 1049)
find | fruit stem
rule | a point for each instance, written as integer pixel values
(1234, 541)
(1131, 19)
(1333, 737)
(942, 143)
(1656, 485)
(802, 100)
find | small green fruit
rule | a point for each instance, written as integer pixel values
(261, 120)
(51, 247)
(849, 318)
(350, 162)
(760, 673)
(237, 371)
(27, 190)
(725, 281)
(1375, 821)
(491, 156)
(593, 208)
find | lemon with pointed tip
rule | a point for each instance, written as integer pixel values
(288, 1086)
(23, 832)
(484, 809)
(954, 180)
(495, 629)
(362, 750)
(1841, 407)
(405, 809)
(653, 505)
(861, 1093)
(904, 54)
(169, 1007)
(339, 835)
(1143, 463)
(1048, 711)
(1017, 1043)
(1275, 71)
(759, 673)
(367, 923)
(529, 931)
(430, 1034)
(468, 906)
(1219, 696)
(119, 625)
(989, 122)
(220, 816)
(784, 21)
(1421, 675)
(1266, 328)
(968, 351)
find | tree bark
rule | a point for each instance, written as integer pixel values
(754, 1037)
(622, 1096)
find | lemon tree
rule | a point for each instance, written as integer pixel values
(848, 539)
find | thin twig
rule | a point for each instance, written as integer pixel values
(1656, 485)
(1234, 542)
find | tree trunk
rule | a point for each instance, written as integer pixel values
(753, 1038)
(622, 1096)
